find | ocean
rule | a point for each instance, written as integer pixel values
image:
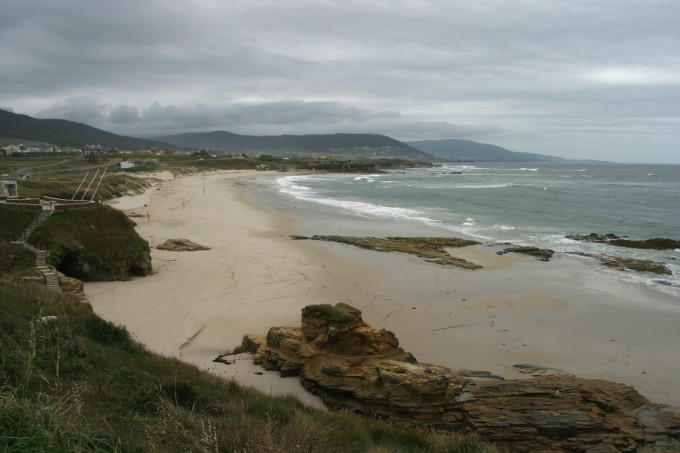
(525, 204)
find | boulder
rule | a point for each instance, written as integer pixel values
(353, 366)
(70, 284)
(181, 245)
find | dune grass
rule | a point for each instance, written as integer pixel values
(14, 220)
(78, 383)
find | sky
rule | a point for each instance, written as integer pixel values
(582, 79)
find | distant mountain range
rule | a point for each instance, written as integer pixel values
(339, 145)
(67, 133)
(467, 150)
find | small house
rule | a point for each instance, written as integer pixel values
(127, 164)
(8, 188)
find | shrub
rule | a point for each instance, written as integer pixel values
(106, 332)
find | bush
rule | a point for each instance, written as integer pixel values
(269, 158)
(28, 425)
(106, 332)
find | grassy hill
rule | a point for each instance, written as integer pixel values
(77, 383)
(467, 150)
(339, 145)
(66, 133)
(94, 243)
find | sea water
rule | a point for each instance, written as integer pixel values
(525, 204)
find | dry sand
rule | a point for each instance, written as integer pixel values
(196, 305)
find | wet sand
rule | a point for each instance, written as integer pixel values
(560, 314)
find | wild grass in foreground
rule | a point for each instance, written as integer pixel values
(78, 383)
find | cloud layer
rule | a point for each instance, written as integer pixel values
(587, 79)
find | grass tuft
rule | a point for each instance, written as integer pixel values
(81, 384)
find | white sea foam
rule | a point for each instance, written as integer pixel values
(462, 167)
(460, 211)
(288, 185)
(481, 186)
(369, 178)
(462, 186)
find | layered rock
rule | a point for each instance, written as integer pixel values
(431, 249)
(629, 264)
(624, 241)
(354, 366)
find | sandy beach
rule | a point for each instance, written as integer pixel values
(559, 314)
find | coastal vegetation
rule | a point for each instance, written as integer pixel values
(60, 175)
(17, 261)
(94, 243)
(66, 186)
(15, 219)
(73, 382)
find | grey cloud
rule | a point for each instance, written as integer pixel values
(85, 109)
(293, 112)
(124, 114)
(303, 65)
(172, 118)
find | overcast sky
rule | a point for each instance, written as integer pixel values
(572, 78)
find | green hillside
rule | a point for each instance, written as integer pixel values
(339, 145)
(468, 150)
(66, 133)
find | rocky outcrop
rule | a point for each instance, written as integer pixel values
(612, 239)
(629, 264)
(538, 253)
(93, 267)
(354, 366)
(69, 284)
(181, 245)
(431, 249)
